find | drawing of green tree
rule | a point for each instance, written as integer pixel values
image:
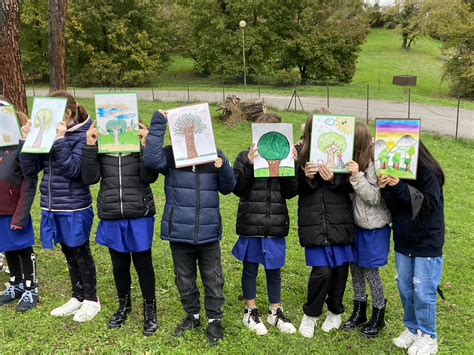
(273, 147)
(189, 125)
(384, 159)
(333, 144)
(116, 127)
(43, 121)
(411, 152)
(397, 157)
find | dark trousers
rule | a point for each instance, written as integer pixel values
(82, 272)
(326, 285)
(186, 257)
(143, 263)
(22, 264)
(249, 283)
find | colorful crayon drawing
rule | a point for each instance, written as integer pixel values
(396, 147)
(275, 143)
(117, 122)
(332, 141)
(192, 137)
(47, 113)
(9, 128)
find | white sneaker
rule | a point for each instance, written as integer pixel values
(405, 340)
(333, 321)
(423, 345)
(277, 318)
(253, 322)
(68, 309)
(307, 326)
(88, 310)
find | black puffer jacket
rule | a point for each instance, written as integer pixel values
(325, 211)
(262, 208)
(125, 191)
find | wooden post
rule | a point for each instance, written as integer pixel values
(457, 117)
(327, 92)
(368, 88)
(223, 88)
(409, 102)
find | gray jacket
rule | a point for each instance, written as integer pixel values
(370, 211)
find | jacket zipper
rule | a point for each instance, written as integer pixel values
(198, 205)
(120, 185)
(49, 183)
(324, 218)
(267, 211)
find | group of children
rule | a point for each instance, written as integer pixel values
(343, 224)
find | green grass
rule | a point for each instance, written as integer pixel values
(38, 332)
(265, 172)
(129, 142)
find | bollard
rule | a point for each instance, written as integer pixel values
(457, 117)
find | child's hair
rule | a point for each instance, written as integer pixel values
(427, 160)
(268, 118)
(363, 146)
(303, 156)
(79, 113)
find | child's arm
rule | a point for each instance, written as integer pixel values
(432, 192)
(154, 156)
(31, 164)
(146, 175)
(226, 177)
(21, 216)
(289, 185)
(69, 158)
(90, 171)
(243, 171)
(366, 186)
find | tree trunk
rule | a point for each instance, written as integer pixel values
(57, 43)
(274, 166)
(190, 143)
(330, 158)
(39, 138)
(10, 49)
(117, 136)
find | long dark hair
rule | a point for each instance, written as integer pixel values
(79, 113)
(427, 161)
(363, 146)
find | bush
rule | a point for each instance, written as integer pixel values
(286, 77)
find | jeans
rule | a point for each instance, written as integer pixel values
(418, 280)
(249, 283)
(208, 257)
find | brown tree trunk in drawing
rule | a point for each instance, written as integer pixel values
(190, 143)
(39, 138)
(57, 43)
(10, 49)
(274, 166)
(330, 157)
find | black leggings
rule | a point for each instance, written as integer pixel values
(22, 264)
(81, 271)
(143, 265)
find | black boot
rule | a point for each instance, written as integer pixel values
(376, 323)
(358, 317)
(188, 323)
(125, 308)
(149, 314)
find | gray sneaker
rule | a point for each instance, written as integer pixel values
(28, 301)
(12, 293)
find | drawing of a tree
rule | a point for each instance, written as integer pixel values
(189, 125)
(116, 128)
(384, 158)
(411, 152)
(43, 121)
(333, 144)
(273, 147)
(396, 160)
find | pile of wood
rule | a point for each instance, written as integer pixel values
(236, 111)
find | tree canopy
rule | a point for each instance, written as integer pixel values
(273, 146)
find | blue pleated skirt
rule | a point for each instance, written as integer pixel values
(11, 240)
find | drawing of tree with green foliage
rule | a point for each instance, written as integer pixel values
(43, 121)
(397, 157)
(116, 127)
(411, 152)
(333, 144)
(273, 147)
(384, 159)
(188, 125)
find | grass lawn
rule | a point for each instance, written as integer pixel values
(38, 332)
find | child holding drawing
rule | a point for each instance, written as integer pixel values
(326, 231)
(262, 225)
(193, 226)
(126, 209)
(417, 208)
(66, 203)
(372, 244)
(17, 236)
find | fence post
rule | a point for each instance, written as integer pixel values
(188, 95)
(457, 117)
(223, 88)
(152, 94)
(327, 92)
(409, 101)
(368, 92)
(258, 81)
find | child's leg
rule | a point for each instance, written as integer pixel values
(427, 277)
(318, 287)
(337, 288)
(376, 287)
(212, 275)
(405, 270)
(146, 274)
(74, 273)
(14, 263)
(121, 269)
(185, 270)
(28, 266)
(249, 283)
(358, 283)
(274, 287)
(86, 266)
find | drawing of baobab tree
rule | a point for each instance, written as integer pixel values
(273, 147)
(188, 126)
(334, 145)
(43, 121)
(116, 128)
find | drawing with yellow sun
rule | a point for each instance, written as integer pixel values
(345, 125)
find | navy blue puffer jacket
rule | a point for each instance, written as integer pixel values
(191, 213)
(62, 189)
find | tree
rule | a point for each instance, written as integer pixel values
(188, 125)
(273, 147)
(116, 127)
(43, 121)
(408, 18)
(57, 43)
(396, 160)
(10, 49)
(384, 158)
(333, 144)
(410, 153)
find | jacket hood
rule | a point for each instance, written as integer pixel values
(81, 127)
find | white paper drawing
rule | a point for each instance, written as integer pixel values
(9, 128)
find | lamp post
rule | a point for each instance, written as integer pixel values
(242, 25)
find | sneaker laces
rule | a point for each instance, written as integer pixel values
(149, 311)
(255, 314)
(281, 316)
(27, 296)
(10, 291)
